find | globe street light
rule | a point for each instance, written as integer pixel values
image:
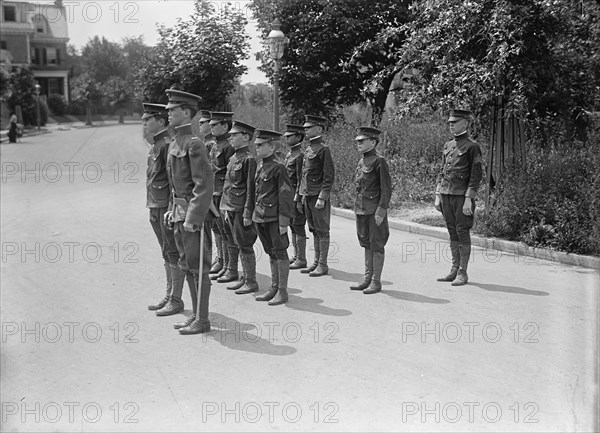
(37, 103)
(277, 42)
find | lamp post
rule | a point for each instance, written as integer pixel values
(37, 103)
(277, 42)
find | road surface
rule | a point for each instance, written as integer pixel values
(514, 350)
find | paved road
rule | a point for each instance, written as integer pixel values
(515, 350)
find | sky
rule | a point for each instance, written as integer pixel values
(117, 19)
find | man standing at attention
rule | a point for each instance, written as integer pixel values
(192, 180)
(155, 121)
(456, 190)
(318, 174)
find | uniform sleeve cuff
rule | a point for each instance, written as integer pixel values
(471, 193)
(381, 212)
(284, 221)
(324, 195)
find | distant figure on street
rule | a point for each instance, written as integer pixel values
(456, 190)
(12, 131)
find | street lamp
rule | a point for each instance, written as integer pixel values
(37, 103)
(277, 42)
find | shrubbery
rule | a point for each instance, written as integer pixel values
(553, 203)
(57, 105)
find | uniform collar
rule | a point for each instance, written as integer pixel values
(371, 152)
(269, 159)
(462, 136)
(220, 138)
(316, 140)
(242, 150)
(182, 130)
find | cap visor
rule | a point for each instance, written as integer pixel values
(362, 137)
(173, 105)
(147, 115)
(308, 125)
(289, 133)
(262, 140)
(454, 119)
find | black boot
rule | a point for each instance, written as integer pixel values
(175, 304)
(249, 266)
(300, 261)
(283, 268)
(461, 277)
(239, 283)
(194, 296)
(322, 268)
(201, 324)
(375, 286)
(295, 245)
(368, 271)
(274, 282)
(316, 262)
(231, 274)
(225, 257)
(217, 264)
(167, 296)
(454, 248)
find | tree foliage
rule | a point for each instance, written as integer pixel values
(541, 54)
(200, 55)
(103, 59)
(332, 53)
(22, 92)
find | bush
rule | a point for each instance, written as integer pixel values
(553, 203)
(76, 108)
(57, 105)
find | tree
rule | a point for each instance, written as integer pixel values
(21, 88)
(201, 55)
(541, 54)
(103, 59)
(87, 90)
(332, 55)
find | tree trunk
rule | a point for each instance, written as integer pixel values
(378, 100)
(121, 116)
(88, 113)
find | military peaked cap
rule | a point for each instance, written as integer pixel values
(178, 98)
(456, 115)
(220, 116)
(151, 110)
(265, 135)
(311, 120)
(365, 132)
(242, 127)
(204, 116)
(293, 130)
(162, 134)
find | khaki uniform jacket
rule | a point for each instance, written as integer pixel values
(219, 155)
(191, 176)
(462, 168)
(274, 196)
(238, 190)
(157, 180)
(373, 185)
(293, 164)
(318, 172)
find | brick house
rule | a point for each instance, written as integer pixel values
(36, 35)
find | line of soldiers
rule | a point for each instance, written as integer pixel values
(199, 187)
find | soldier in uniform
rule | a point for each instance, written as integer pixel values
(155, 120)
(237, 204)
(272, 213)
(294, 135)
(456, 190)
(225, 269)
(191, 175)
(315, 188)
(374, 190)
(204, 129)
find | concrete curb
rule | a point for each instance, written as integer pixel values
(516, 248)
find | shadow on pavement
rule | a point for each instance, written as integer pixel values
(414, 297)
(350, 277)
(508, 289)
(244, 336)
(312, 305)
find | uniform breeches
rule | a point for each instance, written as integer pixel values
(166, 237)
(242, 236)
(458, 224)
(318, 219)
(274, 243)
(188, 245)
(370, 235)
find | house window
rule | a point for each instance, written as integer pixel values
(3, 45)
(10, 13)
(41, 26)
(51, 56)
(54, 86)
